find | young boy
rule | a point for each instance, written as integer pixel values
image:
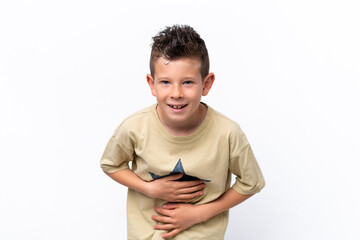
(182, 151)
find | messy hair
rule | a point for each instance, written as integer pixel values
(177, 42)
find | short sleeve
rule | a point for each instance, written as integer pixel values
(249, 178)
(118, 151)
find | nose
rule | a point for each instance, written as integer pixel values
(177, 92)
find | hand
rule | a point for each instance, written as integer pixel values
(168, 189)
(176, 217)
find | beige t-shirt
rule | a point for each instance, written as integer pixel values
(214, 151)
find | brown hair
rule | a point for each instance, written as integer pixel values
(179, 41)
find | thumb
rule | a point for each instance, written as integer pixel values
(174, 177)
(171, 206)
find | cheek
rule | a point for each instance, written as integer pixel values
(153, 92)
(159, 95)
(156, 92)
(197, 94)
(195, 98)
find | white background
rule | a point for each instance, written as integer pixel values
(71, 71)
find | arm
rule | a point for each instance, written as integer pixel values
(164, 188)
(178, 217)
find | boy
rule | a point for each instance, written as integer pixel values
(182, 151)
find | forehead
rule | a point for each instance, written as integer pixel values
(167, 68)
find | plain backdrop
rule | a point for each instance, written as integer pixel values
(286, 71)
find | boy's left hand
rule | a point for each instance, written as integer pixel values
(176, 217)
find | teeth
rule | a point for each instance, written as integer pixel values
(177, 107)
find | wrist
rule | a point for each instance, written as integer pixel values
(203, 213)
(147, 189)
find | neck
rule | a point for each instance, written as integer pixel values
(187, 127)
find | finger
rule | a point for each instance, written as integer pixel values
(173, 177)
(164, 226)
(171, 205)
(162, 219)
(171, 234)
(163, 211)
(192, 189)
(188, 184)
(187, 197)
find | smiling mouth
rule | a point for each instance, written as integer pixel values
(177, 106)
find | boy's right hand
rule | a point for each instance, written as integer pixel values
(168, 189)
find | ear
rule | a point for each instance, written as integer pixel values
(208, 82)
(150, 81)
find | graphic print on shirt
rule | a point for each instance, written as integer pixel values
(178, 169)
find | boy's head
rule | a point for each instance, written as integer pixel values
(179, 77)
(179, 41)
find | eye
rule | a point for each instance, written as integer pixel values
(164, 82)
(188, 82)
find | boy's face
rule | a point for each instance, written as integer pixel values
(178, 87)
